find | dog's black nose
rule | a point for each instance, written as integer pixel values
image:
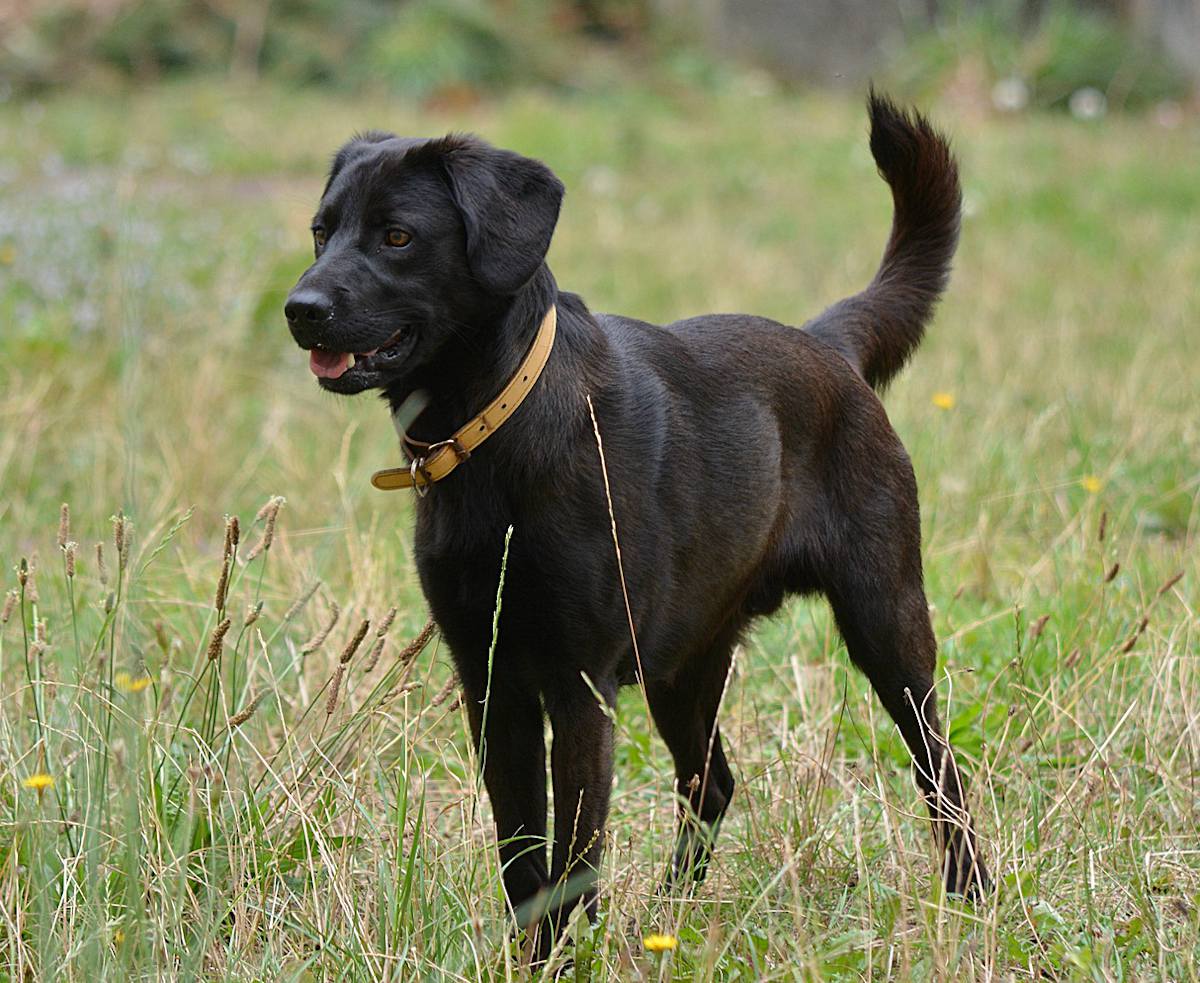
(308, 307)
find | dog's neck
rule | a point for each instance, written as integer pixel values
(462, 383)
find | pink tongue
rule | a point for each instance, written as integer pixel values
(328, 365)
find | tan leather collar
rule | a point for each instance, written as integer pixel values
(439, 459)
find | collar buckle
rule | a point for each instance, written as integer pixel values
(422, 480)
(432, 462)
(422, 484)
(453, 443)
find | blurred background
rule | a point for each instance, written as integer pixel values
(1007, 55)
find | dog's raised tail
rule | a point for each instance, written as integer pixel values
(877, 330)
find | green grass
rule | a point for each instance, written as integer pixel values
(146, 244)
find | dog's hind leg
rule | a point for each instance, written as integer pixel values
(685, 712)
(884, 618)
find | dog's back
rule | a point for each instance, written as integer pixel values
(875, 330)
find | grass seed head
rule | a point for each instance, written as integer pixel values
(120, 536)
(335, 685)
(64, 525)
(217, 642)
(222, 584)
(355, 642)
(267, 515)
(1111, 575)
(443, 694)
(380, 640)
(1137, 633)
(376, 652)
(233, 533)
(23, 571)
(31, 588)
(413, 648)
(246, 712)
(386, 624)
(300, 601)
(252, 613)
(318, 639)
(101, 566)
(1171, 582)
(1039, 626)
(10, 602)
(70, 551)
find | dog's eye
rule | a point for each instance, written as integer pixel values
(319, 236)
(398, 238)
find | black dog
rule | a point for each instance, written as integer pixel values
(746, 461)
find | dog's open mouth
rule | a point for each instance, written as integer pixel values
(350, 372)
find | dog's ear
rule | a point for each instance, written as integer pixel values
(509, 206)
(356, 145)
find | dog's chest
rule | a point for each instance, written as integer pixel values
(461, 557)
(559, 586)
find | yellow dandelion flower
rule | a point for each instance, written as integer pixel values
(943, 401)
(1091, 484)
(8, 254)
(118, 936)
(660, 943)
(128, 684)
(39, 782)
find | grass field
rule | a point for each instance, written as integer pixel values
(146, 244)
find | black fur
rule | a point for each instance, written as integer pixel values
(747, 461)
(878, 329)
(509, 206)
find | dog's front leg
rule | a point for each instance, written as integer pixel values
(506, 725)
(581, 762)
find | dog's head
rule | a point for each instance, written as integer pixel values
(419, 244)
